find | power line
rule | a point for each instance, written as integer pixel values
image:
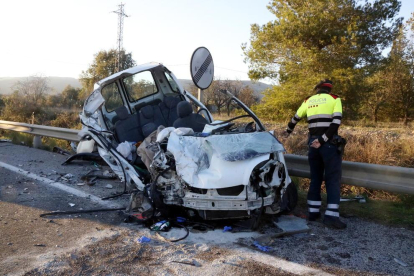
(231, 70)
(121, 15)
(215, 66)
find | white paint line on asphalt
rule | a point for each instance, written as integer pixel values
(60, 186)
(291, 267)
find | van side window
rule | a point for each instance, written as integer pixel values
(171, 82)
(140, 85)
(112, 97)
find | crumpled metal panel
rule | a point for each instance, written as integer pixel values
(220, 161)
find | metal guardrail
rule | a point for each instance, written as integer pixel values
(39, 130)
(372, 176)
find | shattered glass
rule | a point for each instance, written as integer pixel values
(236, 147)
(193, 155)
(93, 102)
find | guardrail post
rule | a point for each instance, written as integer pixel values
(37, 141)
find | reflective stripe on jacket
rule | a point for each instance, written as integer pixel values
(324, 115)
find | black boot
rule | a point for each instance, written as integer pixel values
(313, 216)
(334, 222)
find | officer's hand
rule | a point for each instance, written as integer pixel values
(315, 144)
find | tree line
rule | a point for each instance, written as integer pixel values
(31, 102)
(344, 40)
(362, 46)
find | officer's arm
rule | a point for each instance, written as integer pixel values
(298, 116)
(336, 122)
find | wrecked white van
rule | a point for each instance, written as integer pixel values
(180, 157)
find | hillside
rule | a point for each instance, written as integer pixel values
(258, 87)
(57, 84)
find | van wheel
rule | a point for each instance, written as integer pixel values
(289, 199)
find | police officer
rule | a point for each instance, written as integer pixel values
(324, 114)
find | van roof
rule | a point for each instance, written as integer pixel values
(127, 72)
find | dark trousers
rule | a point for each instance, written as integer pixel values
(326, 159)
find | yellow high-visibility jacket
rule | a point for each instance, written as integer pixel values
(324, 115)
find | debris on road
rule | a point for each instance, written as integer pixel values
(40, 245)
(262, 247)
(163, 225)
(68, 176)
(227, 229)
(193, 263)
(143, 239)
(72, 204)
(291, 223)
(94, 156)
(400, 262)
(60, 151)
(108, 186)
(358, 198)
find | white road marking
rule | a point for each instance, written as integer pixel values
(291, 267)
(60, 186)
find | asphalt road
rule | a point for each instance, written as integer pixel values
(31, 183)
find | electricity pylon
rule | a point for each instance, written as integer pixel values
(121, 15)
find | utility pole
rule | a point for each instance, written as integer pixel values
(121, 15)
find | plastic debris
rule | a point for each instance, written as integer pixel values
(400, 262)
(71, 204)
(261, 247)
(68, 176)
(60, 151)
(126, 149)
(143, 239)
(80, 184)
(181, 220)
(108, 186)
(291, 224)
(163, 225)
(227, 229)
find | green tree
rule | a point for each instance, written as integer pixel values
(71, 97)
(54, 100)
(377, 94)
(103, 65)
(400, 73)
(314, 39)
(2, 103)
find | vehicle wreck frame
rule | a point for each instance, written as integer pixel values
(265, 179)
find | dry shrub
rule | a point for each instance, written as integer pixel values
(393, 147)
(379, 147)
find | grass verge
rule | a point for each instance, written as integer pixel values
(398, 212)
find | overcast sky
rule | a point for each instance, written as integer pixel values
(59, 38)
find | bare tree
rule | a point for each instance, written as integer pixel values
(247, 96)
(33, 88)
(28, 98)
